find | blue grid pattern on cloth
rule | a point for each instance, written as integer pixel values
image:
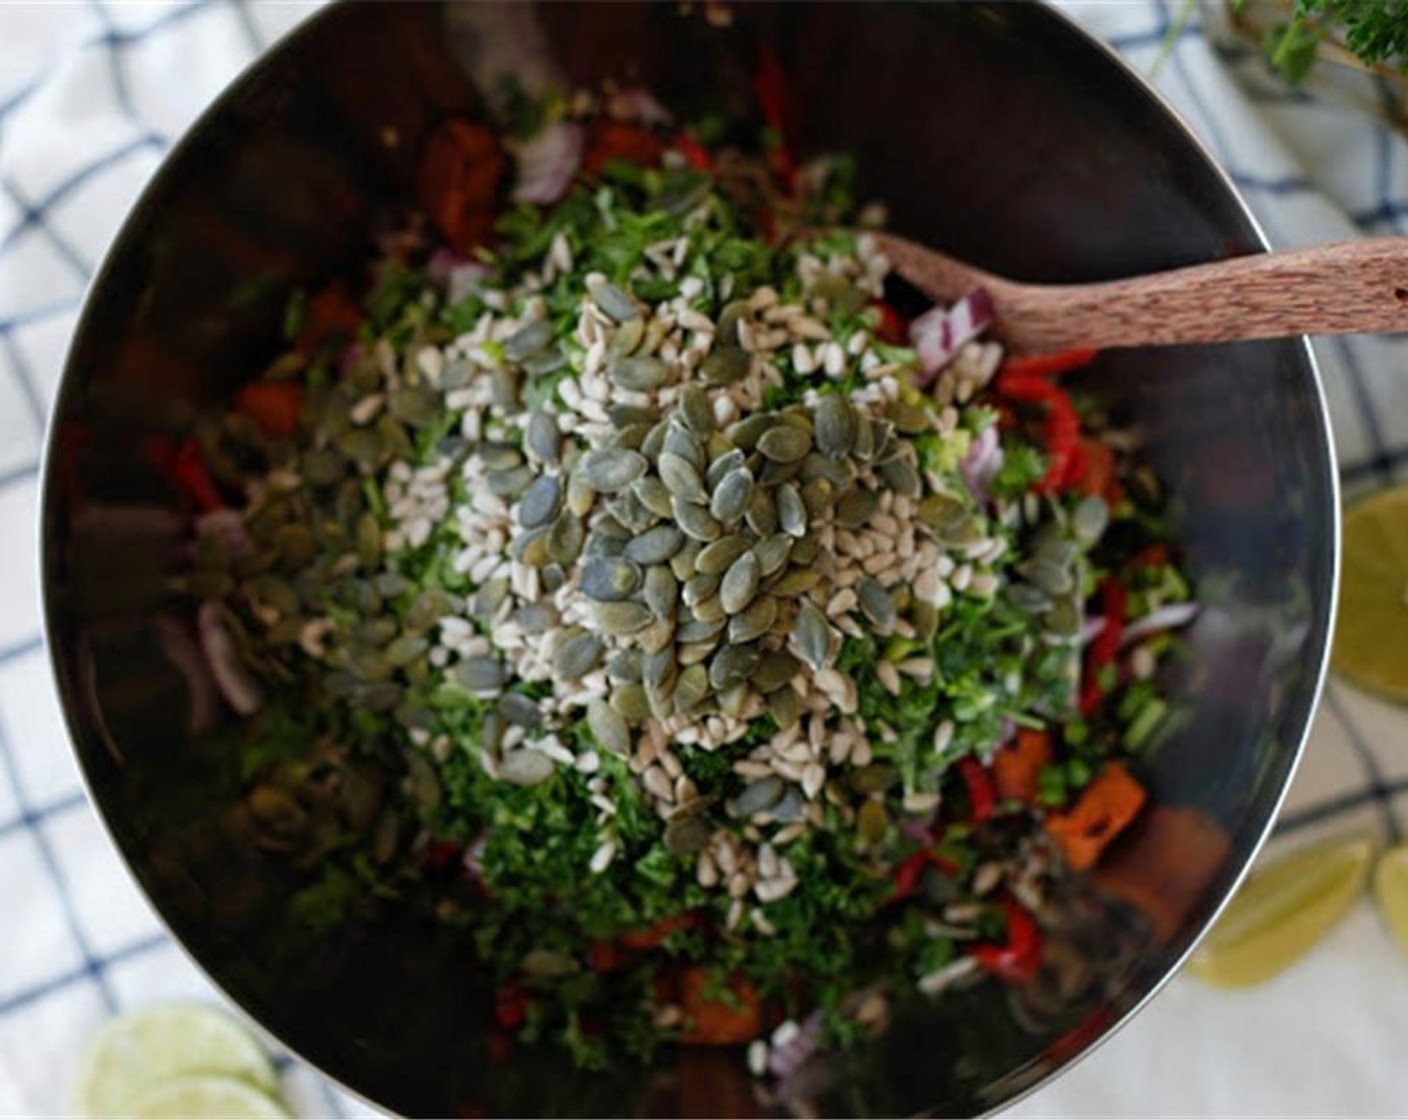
(57, 873)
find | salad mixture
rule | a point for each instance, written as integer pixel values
(639, 575)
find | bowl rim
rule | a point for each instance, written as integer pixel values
(307, 27)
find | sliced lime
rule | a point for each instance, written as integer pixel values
(1391, 891)
(1281, 911)
(207, 1098)
(1371, 634)
(134, 1052)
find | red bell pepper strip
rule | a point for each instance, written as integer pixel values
(1018, 959)
(981, 797)
(510, 1006)
(1114, 605)
(906, 873)
(1061, 430)
(616, 140)
(891, 329)
(652, 936)
(1049, 365)
(695, 154)
(194, 480)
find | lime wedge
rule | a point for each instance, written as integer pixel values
(1371, 635)
(207, 1098)
(1281, 911)
(1391, 891)
(135, 1052)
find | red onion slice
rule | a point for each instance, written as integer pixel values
(240, 690)
(940, 333)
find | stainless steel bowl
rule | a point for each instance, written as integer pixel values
(995, 131)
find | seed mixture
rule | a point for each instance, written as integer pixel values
(641, 581)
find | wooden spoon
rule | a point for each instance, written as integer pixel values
(1328, 289)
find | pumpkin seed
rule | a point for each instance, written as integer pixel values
(417, 405)
(625, 666)
(695, 520)
(687, 837)
(657, 636)
(731, 665)
(710, 610)
(1089, 520)
(653, 494)
(784, 444)
(535, 618)
(503, 388)
(520, 711)
(654, 443)
(609, 469)
(775, 669)
(632, 436)
(631, 701)
(941, 511)
(661, 592)
(545, 362)
(681, 477)
(695, 408)
(525, 768)
(655, 546)
(607, 579)
(639, 372)
(624, 415)
(727, 326)
(321, 467)
(690, 653)
(691, 687)
(863, 445)
(740, 583)
(577, 654)
(872, 823)
(924, 617)
(911, 419)
(761, 514)
(856, 508)
(479, 674)
(835, 425)
(541, 502)
(745, 432)
(714, 559)
(405, 649)
(725, 365)
(614, 302)
(796, 582)
(900, 477)
(625, 341)
(528, 340)
(1050, 578)
(756, 797)
(660, 671)
(753, 622)
(622, 618)
(724, 458)
(876, 603)
(1064, 619)
(732, 495)
(510, 483)
(700, 587)
(682, 562)
(791, 511)
(772, 553)
(565, 539)
(734, 701)
(816, 496)
(697, 630)
(679, 442)
(580, 496)
(785, 707)
(812, 633)
(1027, 598)
(608, 728)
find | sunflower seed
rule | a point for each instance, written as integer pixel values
(525, 767)
(740, 583)
(835, 425)
(725, 365)
(479, 674)
(528, 340)
(687, 837)
(609, 729)
(753, 622)
(639, 373)
(791, 512)
(756, 797)
(655, 546)
(577, 654)
(609, 469)
(732, 495)
(714, 559)
(812, 633)
(607, 579)
(876, 603)
(695, 520)
(653, 494)
(622, 618)
(540, 502)
(615, 302)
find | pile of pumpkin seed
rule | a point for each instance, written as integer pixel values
(612, 509)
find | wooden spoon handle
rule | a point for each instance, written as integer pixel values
(1327, 289)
